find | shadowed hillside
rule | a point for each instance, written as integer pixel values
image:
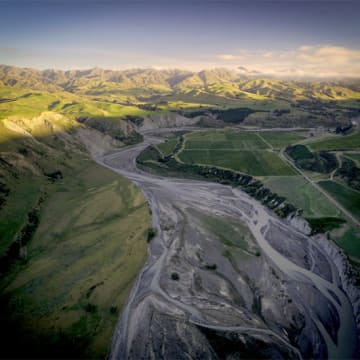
(73, 238)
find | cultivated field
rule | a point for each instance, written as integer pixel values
(348, 238)
(244, 152)
(167, 147)
(256, 163)
(337, 142)
(302, 194)
(345, 196)
(353, 156)
(281, 139)
(220, 140)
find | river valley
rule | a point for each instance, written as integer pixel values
(225, 277)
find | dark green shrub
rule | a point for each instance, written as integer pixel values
(151, 234)
(211, 267)
(175, 276)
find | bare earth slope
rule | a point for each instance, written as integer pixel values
(224, 277)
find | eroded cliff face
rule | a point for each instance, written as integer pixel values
(96, 142)
(225, 278)
(300, 224)
(342, 267)
(166, 120)
(346, 278)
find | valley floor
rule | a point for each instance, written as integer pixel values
(223, 270)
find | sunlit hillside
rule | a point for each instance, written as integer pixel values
(96, 81)
(127, 96)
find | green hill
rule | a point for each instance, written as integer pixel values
(57, 230)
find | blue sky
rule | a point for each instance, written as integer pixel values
(265, 36)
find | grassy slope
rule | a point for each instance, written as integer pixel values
(92, 235)
(106, 100)
(30, 103)
(124, 93)
(65, 297)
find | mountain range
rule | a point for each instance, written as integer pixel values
(97, 81)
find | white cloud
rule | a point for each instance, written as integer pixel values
(305, 48)
(305, 61)
(331, 55)
(230, 57)
(268, 54)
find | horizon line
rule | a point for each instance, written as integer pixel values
(237, 71)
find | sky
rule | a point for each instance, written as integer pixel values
(282, 38)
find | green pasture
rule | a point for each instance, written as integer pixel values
(301, 193)
(337, 142)
(167, 147)
(280, 139)
(256, 163)
(353, 156)
(225, 140)
(348, 198)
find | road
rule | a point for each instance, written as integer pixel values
(293, 275)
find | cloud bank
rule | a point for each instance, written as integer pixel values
(305, 61)
(323, 61)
